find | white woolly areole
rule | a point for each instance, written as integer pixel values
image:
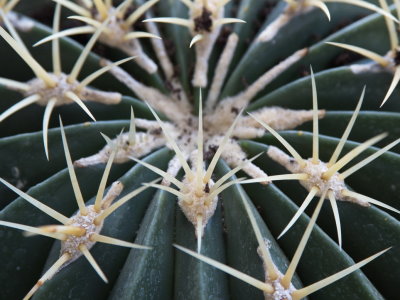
(114, 36)
(315, 173)
(72, 243)
(204, 15)
(282, 20)
(194, 204)
(366, 68)
(203, 51)
(115, 32)
(280, 293)
(39, 87)
(144, 144)
(374, 67)
(20, 22)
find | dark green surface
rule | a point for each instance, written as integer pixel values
(193, 278)
(149, 274)
(242, 243)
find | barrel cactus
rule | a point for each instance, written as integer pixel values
(204, 135)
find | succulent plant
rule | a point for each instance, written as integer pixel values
(223, 89)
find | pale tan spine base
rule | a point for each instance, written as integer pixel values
(314, 171)
(144, 144)
(282, 20)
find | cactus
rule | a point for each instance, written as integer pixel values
(219, 100)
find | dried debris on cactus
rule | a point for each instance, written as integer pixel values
(204, 23)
